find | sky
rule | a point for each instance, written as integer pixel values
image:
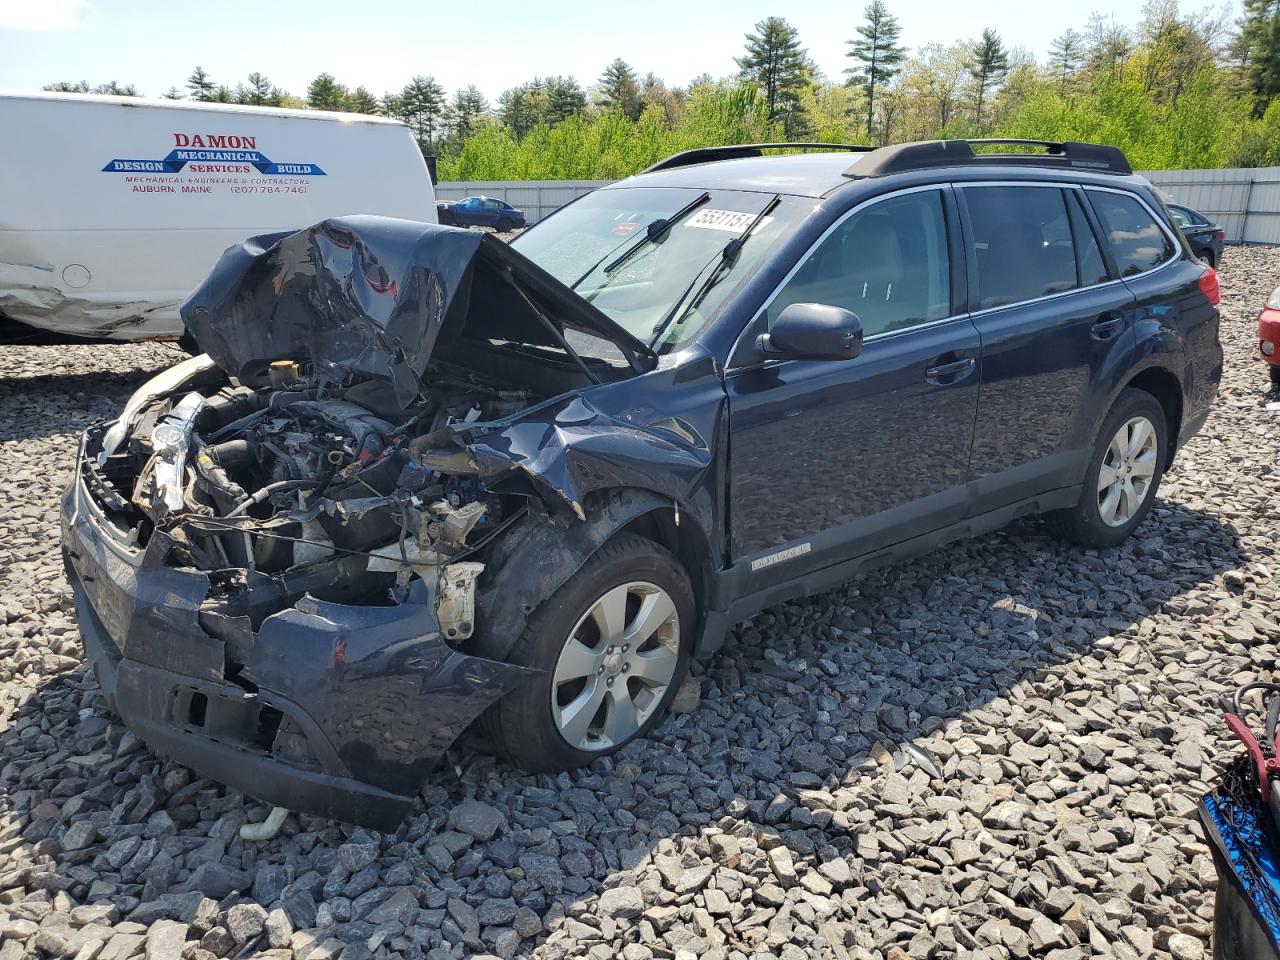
(495, 45)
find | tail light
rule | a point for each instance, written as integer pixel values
(1221, 235)
(1209, 286)
(519, 213)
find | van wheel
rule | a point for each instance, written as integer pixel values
(1123, 476)
(612, 646)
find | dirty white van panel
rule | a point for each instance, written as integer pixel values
(112, 209)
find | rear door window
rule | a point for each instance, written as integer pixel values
(1136, 240)
(1022, 243)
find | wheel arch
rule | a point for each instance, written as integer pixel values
(539, 556)
(1164, 386)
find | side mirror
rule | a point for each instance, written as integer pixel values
(813, 331)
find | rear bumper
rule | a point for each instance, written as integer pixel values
(330, 709)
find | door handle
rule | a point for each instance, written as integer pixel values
(1107, 325)
(945, 374)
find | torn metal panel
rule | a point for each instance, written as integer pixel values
(611, 440)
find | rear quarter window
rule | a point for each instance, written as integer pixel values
(1136, 240)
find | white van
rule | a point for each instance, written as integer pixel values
(112, 209)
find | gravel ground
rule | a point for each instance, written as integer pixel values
(992, 752)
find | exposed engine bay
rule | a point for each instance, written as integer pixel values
(320, 489)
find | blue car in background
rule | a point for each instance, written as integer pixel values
(481, 212)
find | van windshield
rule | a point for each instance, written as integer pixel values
(580, 246)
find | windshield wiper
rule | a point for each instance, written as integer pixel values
(651, 233)
(723, 263)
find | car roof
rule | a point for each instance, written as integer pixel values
(817, 175)
(796, 174)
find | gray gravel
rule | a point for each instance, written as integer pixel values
(992, 752)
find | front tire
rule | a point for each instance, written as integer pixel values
(1123, 476)
(612, 645)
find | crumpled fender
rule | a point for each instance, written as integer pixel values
(541, 557)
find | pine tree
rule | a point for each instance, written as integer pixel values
(1066, 53)
(173, 93)
(325, 93)
(201, 85)
(564, 99)
(1108, 46)
(518, 110)
(422, 107)
(360, 100)
(780, 67)
(113, 89)
(620, 89)
(1260, 46)
(260, 92)
(466, 111)
(988, 63)
(878, 52)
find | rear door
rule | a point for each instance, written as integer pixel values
(1054, 322)
(832, 459)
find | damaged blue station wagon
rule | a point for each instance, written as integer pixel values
(420, 477)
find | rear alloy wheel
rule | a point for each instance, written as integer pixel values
(505, 226)
(1206, 259)
(1128, 467)
(1123, 476)
(612, 647)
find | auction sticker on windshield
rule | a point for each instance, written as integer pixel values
(730, 221)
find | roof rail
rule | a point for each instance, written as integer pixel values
(741, 150)
(951, 153)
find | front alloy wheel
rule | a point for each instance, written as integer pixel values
(611, 647)
(1128, 468)
(616, 666)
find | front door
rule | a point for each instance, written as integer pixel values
(831, 459)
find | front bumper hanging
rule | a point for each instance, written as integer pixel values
(330, 709)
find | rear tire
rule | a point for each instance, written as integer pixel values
(1123, 476)
(1275, 374)
(1207, 259)
(505, 226)
(565, 717)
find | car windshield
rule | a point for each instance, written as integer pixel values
(580, 244)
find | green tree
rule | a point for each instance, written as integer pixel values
(66, 86)
(1066, 54)
(988, 64)
(326, 93)
(620, 90)
(201, 85)
(260, 92)
(520, 109)
(780, 68)
(1108, 46)
(877, 52)
(360, 100)
(421, 105)
(1260, 47)
(564, 99)
(173, 93)
(466, 112)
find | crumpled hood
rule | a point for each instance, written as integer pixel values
(376, 296)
